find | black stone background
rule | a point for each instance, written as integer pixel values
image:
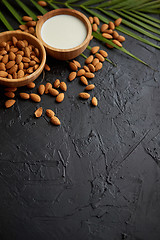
(97, 176)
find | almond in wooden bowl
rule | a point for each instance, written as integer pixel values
(65, 33)
(15, 76)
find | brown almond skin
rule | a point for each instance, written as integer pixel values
(24, 96)
(3, 52)
(31, 30)
(46, 67)
(9, 76)
(84, 80)
(47, 87)
(109, 31)
(95, 49)
(50, 113)
(72, 76)
(26, 59)
(13, 69)
(77, 63)
(109, 46)
(26, 65)
(89, 59)
(103, 53)
(117, 43)
(104, 27)
(38, 112)
(21, 53)
(57, 83)
(42, 3)
(111, 25)
(14, 50)
(31, 24)
(90, 87)
(86, 68)
(84, 95)
(27, 52)
(3, 44)
(91, 20)
(2, 67)
(31, 85)
(115, 34)
(20, 44)
(91, 67)
(20, 74)
(80, 72)
(32, 63)
(73, 66)
(1, 57)
(10, 89)
(63, 86)
(15, 76)
(98, 66)
(12, 56)
(94, 101)
(5, 59)
(35, 58)
(30, 70)
(35, 97)
(9, 103)
(18, 59)
(53, 92)
(36, 67)
(60, 98)
(118, 22)
(89, 75)
(3, 74)
(36, 50)
(55, 121)
(95, 61)
(10, 64)
(100, 57)
(14, 40)
(41, 89)
(7, 47)
(96, 20)
(9, 94)
(107, 36)
(26, 18)
(94, 27)
(121, 38)
(23, 27)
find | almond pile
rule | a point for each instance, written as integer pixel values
(18, 58)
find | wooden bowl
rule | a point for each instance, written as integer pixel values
(65, 54)
(6, 36)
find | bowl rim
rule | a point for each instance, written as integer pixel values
(62, 11)
(43, 60)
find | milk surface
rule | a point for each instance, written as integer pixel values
(63, 31)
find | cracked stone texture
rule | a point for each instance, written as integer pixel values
(95, 177)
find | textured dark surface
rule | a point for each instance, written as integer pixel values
(95, 177)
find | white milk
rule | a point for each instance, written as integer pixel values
(63, 31)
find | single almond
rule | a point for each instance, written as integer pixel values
(94, 101)
(95, 61)
(18, 58)
(77, 63)
(10, 64)
(84, 80)
(27, 18)
(63, 86)
(118, 22)
(104, 27)
(20, 74)
(31, 30)
(10, 89)
(20, 44)
(91, 67)
(109, 46)
(57, 83)
(2, 67)
(35, 97)
(72, 76)
(30, 70)
(119, 38)
(47, 87)
(3, 74)
(95, 49)
(109, 31)
(98, 66)
(9, 94)
(84, 95)
(107, 36)
(3, 44)
(111, 25)
(35, 58)
(15, 76)
(90, 87)
(94, 27)
(31, 24)
(9, 103)
(89, 59)
(54, 92)
(41, 89)
(26, 66)
(100, 57)
(96, 20)
(50, 113)
(1, 57)
(73, 66)
(103, 53)
(80, 72)
(115, 34)
(24, 95)
(13, 69)
(27, 52)
(60, 98)
(14, 40)
(25, 59)
(23, 27)
(7, 47)
(14, 49)
(55, 121)
(42, 3)
(32, 63)
(3, 52)
(5, 59)
(20, 52)
(117, 43)
(86, 68)
(36, 50)
(9, 76)
(36, 67)
(38, 112)
(91, 20)
(89, 75)
(46, 67)
(31, 85)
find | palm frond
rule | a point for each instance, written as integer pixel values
(26, 9)
(13, 11)
(41, 9)
(5, 22)
(146, 16)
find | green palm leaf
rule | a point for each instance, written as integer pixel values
(5, 22)
(13, 11)
(146, 16)
(41, 9)
(26, 9)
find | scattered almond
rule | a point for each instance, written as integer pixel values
(91, 20)
(73, 66)
(118, 22)
(55, 121)
(111, 25)
(100, 57)
(94, 27)
(31, 85)
(121, 38)
(35, 97)
(104, 27)
(90, 87)
(57, 83)
(77, 63)
(9, 94)
(63, 86)
(54, 92)
(107, 36)
(94, 101)
(89, 75)
(50, 113)
(89, 59)
(9, 103)
(42, 3)
(31, 23)
(84, 95)
(98, 66)
(91, 67)
(117, 43)
(26, 18)
(84, 80)
(95, 61)
(46, 67)
(86, 68)
(96, 20)
(109, 46)
(103, 53)
(47, 87)
(24, 96)
(72, 76)
(23, 27)
(60, 98)
(41, 89)
(115, 34)
(80, 72)
(38, 112)
(10, 89)
(95, 49)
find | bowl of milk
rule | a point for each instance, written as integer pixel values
(65, 33)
